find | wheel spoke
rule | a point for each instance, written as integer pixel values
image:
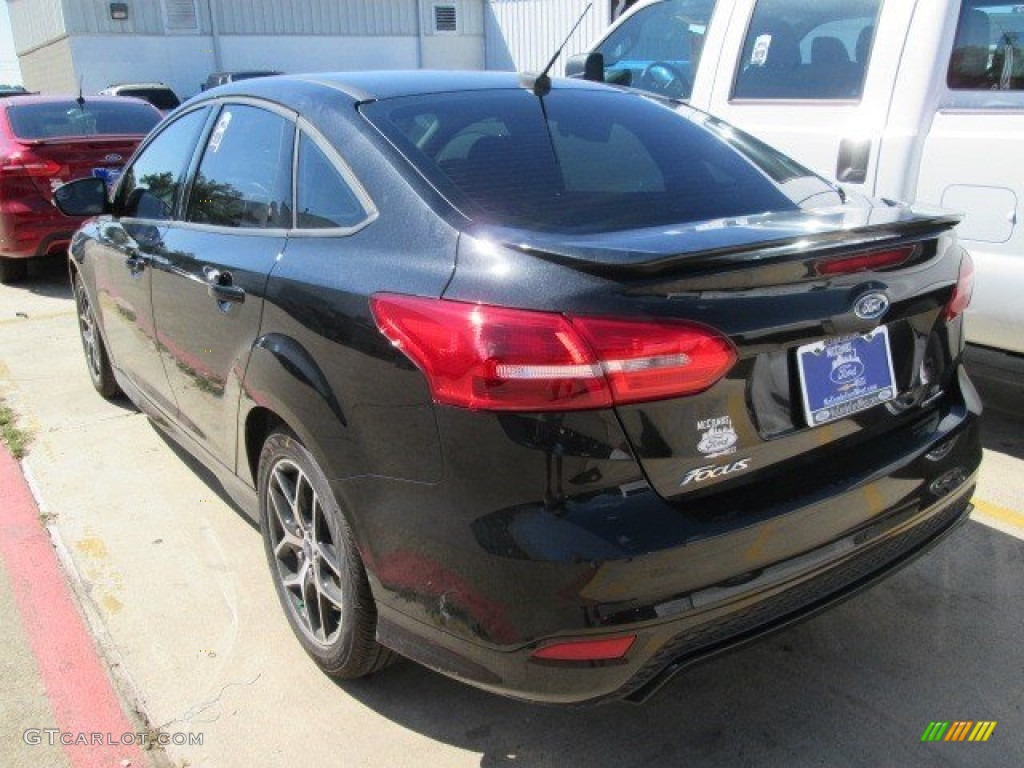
(329, 589)
(329, 557)
(329, 620)
(311, 598)
(302, 506)
(282, 512)
(288, 543)
(295, 580)
(283, 491)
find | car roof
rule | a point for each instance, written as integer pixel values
(389, 84)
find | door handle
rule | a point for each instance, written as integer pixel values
(852, 163)
(135, 262)
(221, 286)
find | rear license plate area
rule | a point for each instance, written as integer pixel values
(108, 175)
(845, 375)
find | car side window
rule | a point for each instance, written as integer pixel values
(245, 175)
(325, 199)
(151, 184)
(806, 49)
(988, 51)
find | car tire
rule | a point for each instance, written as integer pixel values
(13, 270)
(97, 361)
(315, 565)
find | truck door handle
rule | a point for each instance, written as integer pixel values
(221, 286)
(852, 163)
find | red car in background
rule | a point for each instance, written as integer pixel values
(46, 141)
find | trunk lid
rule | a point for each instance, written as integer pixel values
(102, 156)
(775, 285)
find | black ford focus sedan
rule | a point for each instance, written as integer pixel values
(554, 388)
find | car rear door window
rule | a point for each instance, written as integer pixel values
(988, 51)
(325, 198)
(151, 184)
(60, 119)
(807, 49)
(245, 175)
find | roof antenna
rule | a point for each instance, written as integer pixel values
(541, 84)
(81, 98)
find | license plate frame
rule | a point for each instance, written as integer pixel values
(845, 375)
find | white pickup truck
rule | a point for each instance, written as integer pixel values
(916, 100)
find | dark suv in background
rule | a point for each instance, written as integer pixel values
(223, 78)
(160, 95)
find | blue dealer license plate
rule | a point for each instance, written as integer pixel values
(839, 377)
(109, 175)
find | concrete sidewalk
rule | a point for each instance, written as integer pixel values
(179, 580)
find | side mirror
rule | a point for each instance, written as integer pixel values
(82, 197)
(589, 66)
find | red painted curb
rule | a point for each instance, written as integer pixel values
(79, 691)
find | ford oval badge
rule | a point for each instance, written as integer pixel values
(112, 158)
(871, 306)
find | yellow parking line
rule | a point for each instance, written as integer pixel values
(995, 512)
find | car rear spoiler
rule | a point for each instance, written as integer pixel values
(107, 138)
(727, 242)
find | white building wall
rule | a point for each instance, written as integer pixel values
(183, 62)
(523, 35)
(49, 68)
(35, 23)
(287, 35)
(145, 17)
(313, 53)
(384, 18)
(444, 50)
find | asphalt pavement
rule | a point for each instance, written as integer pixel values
(185, 615)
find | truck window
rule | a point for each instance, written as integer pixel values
(987, 51)
(806, 49)
(658, 48)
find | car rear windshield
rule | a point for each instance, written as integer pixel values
(601, 160)
(161, 98)
(65, 119)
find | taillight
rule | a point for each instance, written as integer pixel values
(499, 359)
(864, 262)
(963, 289)
(24, 163)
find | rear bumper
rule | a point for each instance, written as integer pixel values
(31, 235)
(474, 595)
(664, 648)
(798, 601)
